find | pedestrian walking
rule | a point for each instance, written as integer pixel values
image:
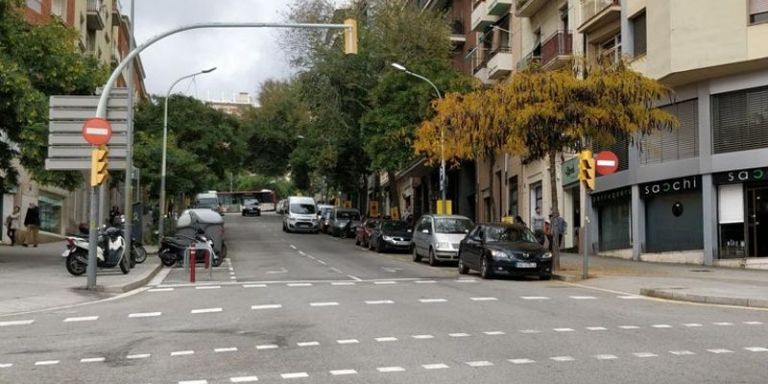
(32, 223)
(12, 224)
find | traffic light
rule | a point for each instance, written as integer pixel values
(587, 169)
(99, 170)
(350, 37)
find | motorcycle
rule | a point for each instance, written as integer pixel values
(173, 249)
(110, 252)
(138, 253)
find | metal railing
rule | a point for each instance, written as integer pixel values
(478, 59)
(527, 60)
(590, 8)
(95, 5)
(559, 43)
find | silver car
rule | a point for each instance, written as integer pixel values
(438, 237)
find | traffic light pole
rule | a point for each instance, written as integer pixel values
(587, 242)
(92, 231)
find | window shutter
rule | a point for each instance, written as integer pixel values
(758, 6)
(740, 120)
(674, 144)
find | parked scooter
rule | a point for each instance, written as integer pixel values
(138, 253)
(173, 249)
(110, 252)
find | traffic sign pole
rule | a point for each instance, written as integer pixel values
(92, 230)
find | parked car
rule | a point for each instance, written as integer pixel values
(438, 236)
(323, 214)
(251, 207)
(343, 221)
(300, 215)
(391, 235)
(363, 231)
(209, 200)
(504, 249)
(280, 207)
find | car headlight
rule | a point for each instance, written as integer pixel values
(386, 238)
(546, 255)
(443, 245)
(499, 255)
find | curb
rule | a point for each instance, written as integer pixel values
(569, 278)
(671, 294)
(132, 285)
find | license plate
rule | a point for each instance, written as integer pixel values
(526, 265)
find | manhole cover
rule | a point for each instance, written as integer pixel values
(700, 270)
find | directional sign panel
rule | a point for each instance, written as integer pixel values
(606, 162)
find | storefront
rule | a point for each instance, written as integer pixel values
(614, 218)
(673, 215)
(571, 202)
(742, 213)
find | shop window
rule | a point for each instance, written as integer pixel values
(639, 34)
(673, 222)
(676, 143)
(740, 120)
(536, 200)
(50, 213)
(614, 225)
(758, 11)
(513, 197)
(730, 207)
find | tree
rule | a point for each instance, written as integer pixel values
(37, 61)
(539, 114)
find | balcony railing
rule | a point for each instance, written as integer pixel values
(591, 8)
(557, 45)
(478, 59)
(500, 62)
(531, 58)
(96, 15)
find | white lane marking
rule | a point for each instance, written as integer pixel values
(435, 366)
(348, 341)
(661, 326)
(377, 302)
(322, 262)
(342, 283)
(384, 282)
(753, 322)
(182, 353)
(299, 284)
(233, 277)
(385, 339)
(353, 277)
(78, 319)
(266, 306)
(92, 360)
(206, 310)
(336, 270)
(521, 361)
(307, 343)
(138, 356)
(692, 325)
(227, 349)
(483, 298)
(144, 314)
(563, 329)
(459, 334)
(160, 290)
(629, 327)
(390, 369)
(534, 297)
(433, 300)
(482, 363)
(583, 297)
(15, 322)
(293, 246)
(606, 357)
(312, 257)
(645, 354)
(630, 297)
(422, 337)
(723, 323)
(231, 273)
(294, 375)
(47, 362)
(466, 281)
(425, 282)
(302, 253)
(562, 358)
(254, 285)
(530, 331)
(597, 328)
(756, 349)
(324, 304)
(243, 379)
(266, 346)
(682, 353)
(719, 350)
(341, 372)
(193, 382)
(6, 365)
(209, 286)
(230, 268)
(495, 333)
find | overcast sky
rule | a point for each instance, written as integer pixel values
(244, 57)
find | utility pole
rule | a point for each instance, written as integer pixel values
(128, 210)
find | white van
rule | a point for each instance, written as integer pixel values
(300, 215)
(208, 200)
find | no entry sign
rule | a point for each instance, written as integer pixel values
(606, 162)
(97, 131)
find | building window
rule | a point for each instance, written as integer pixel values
(59, 8)
(536, 200)
(513, 197)
(50, 212)
(639, 34)
(758, 11)
(610, 49)
(674, 144)
(35, 5)
(740, 120)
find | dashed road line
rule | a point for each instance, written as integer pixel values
(385, 282)
(723, 323)
(342, 372)
(182, 353)
(390, 369)
(299, 284)
(433, 300)
(353, 277)
(563, 329)
(494, 333)
(210, 286)
(243, 379)
(378, 302)
(756, 349)
(562, 358)
(583, 297)
(139, 356)
(629, 327)
(597, 328)
(753, 322)
(466, 281)
(160, 290)
(322, 262)
(293, 246)
(144, 314)
(435, 366)
(264, 347)
(534, 297)
(630, 297)
(682, 353)
(294, 375)
(425, 282)
(348, 341)
(336, 270)
(227, 349)
(693, 325)
(606, 357)
(719, 350)
(307, 343)
(661, 326)
(79, 319)
(483, 299)
(529, 331)
(324, 304)
(254, 285)
(645, 354)
(476, 364)
(93, 360)
(423, 337)
(342, 283)
(521, 361)
(459, 334)
(385, 339)
(206, 310)
(47, 362)
(6, 365)
(15, 322)
(266, 306)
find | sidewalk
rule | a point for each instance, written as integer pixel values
(36, 278)
(693, 283)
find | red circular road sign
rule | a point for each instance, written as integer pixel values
(606, 162)
(97, 131)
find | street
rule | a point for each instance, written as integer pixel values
(312, 308)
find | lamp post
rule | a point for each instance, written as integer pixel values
(400, 67)
(165, 144)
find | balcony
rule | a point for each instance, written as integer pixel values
(528, 8)
(478, 64)
(499, 7)
(533, 58)
(501, 63)
(596, 14)
(116, 56)
(556, 50)
(96, 15)
(458, 34)
(481, 19)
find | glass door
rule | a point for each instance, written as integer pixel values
(757, 221)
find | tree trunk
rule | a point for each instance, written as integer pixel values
(490, 188)
(393, 200)
(554, 229)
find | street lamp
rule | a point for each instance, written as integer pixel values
(165, 144)
(400, 67)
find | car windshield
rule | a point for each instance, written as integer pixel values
(394, 226)
(453, 225)
(347, 215)
(303, 209)
(250, 201)
(208, 202)
(513, 234)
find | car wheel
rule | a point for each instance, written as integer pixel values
(485, 269)
(547, 276)
(416, 256)
(463, 269)
(432, 260)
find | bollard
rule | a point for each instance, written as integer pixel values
(192, 263)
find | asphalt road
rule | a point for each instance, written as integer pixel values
(313, 309)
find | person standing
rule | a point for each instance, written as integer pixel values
(32, 222)
(537, 224)
(12, 223)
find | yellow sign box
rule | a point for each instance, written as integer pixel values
(373, 209)
(444, 209)
(394, 213)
